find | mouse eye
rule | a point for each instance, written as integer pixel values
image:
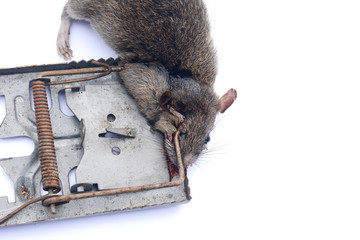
(207, 139)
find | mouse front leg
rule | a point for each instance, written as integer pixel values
(74, 9)
(147, 84)
(62, 42)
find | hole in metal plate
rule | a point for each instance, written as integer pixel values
(63, 105)
(6, 186)
(116, 150)
(111, 117)
(16, 147)
(2, 108)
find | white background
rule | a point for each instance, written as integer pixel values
(285, 162)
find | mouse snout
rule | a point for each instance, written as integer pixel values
(189, 159)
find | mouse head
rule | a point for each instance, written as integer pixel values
(169, 101)
(195, 115)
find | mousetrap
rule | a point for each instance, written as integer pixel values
(118, 160)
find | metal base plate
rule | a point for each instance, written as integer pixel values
(106, 139)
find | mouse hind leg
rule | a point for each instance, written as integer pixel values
(74, 9)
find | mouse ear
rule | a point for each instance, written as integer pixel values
(165, 98)
(227, 99)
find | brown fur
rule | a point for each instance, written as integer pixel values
(198, 104)
(174, 32)
(167, 47)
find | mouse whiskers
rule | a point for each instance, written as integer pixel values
(202, 162)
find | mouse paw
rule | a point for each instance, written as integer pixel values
(62, 42)
(63, 46)
(166, 128)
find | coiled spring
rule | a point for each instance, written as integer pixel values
(48, 164)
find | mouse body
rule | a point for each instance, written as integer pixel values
(170, 63)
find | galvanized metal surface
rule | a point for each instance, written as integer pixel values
(107, 140)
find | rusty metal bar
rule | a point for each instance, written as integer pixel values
(104, 70)
(10, 215)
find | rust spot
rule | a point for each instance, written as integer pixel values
(128, 132)
(128, 107)
(25, 192)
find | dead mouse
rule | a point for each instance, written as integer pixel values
(170, 59)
